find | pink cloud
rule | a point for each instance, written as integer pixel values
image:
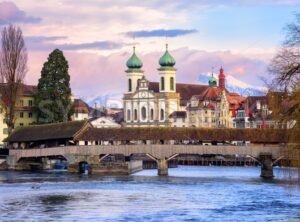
(238, 69)
(95, 75)
(10, 13)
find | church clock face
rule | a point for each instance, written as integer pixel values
(143, 94)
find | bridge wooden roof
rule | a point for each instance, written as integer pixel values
(165, 133)
(51, 131)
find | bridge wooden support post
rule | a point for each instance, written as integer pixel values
(266, 165)
(162, 167)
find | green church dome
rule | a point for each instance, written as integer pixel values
(134, 62)
(167, 59)
(212, 81)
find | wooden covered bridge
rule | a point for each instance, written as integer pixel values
(79, 141)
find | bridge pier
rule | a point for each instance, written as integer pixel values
(11, 162)
(74, 162)
(162, 167)
(266, 165)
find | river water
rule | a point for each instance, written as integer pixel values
(188, 194)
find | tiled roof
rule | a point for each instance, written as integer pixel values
(178, 114)
(186, 91)
(29, 90)
(46, 132)
(80, 106)
(211, 93)
(26, 90)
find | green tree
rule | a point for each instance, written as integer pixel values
(53, 98)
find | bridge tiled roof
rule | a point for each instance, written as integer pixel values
(43, 132)
(171, 133)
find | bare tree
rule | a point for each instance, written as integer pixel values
(285, 70)
(13, 68)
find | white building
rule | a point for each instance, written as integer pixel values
(142, 105)
(178, 119)
(104, 122)
(81, 110)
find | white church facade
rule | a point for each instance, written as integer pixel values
(168, 103)
(145, 106)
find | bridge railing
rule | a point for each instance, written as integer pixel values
(159, 151)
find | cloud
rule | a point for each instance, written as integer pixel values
(41, 43)
(161, 32)
(10, 13)
(91, 45)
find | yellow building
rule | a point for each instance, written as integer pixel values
(214, 107)
(25, 113)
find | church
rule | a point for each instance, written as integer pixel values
(168, 103)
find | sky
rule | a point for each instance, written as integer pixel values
(97, 37)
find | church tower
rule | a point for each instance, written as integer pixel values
(222, 78)
(134, 72)
(212, 81)
(167, 72)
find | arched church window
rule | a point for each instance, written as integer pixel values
(162, 82)
(135, 114)
(172, 83)
(162, 114)
(128, 115)
(129, 85)
(144, 113)
(151, 114)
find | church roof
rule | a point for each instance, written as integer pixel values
(212, 81)
(134, 62)
(186, 91)
(167, 60)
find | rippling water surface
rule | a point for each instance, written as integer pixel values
(188, 194)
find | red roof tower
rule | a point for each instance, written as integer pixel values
(222, 79)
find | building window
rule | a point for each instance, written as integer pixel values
(162, 82)
(151, 114)
(172, 83)
(128, 115)
(21, 124)
(5, 131)
(21, 103)
(162, 114)
(21, 114)
(144, 113)
(129, 85)
(206, 120)
(30, 103)
(30, 115)
(135, 114)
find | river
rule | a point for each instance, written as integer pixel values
(189, 193)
